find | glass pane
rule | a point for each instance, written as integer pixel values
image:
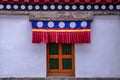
(53, 48)
(67, 63)
(54, 64)
(66, 48)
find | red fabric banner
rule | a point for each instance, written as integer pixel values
(65, 32)
(61, 37)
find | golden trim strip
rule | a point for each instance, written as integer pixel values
(59, 30)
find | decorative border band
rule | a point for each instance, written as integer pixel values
(60, 15)
(59, 7)
(61, 30)
(61, 24)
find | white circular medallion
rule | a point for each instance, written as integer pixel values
(67, 7)
(45, 7)
(103, 7)
(30, 7)
(15, 6)
(8, 6)
(81, 7)
(1, 6)
(74, 7)
(72, 25)
(89, 7)
(111, 7)
(40, 24)
(59, 7)
(22, 7)
(84, 24)
(61, 24)
(50, 24)
(96, 7)
(118, 7)
(37, 7)
(52, 7)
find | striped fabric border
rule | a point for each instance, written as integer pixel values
(59, 7)
(61, 30)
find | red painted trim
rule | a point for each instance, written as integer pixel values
(60, 1)
(108, 1)
(97, 1)
(87, 1)
(56, 0)
(36, 1)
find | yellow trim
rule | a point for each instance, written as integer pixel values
(58, 30)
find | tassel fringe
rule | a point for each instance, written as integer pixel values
(61, 37)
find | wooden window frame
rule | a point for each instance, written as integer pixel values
(60, 56)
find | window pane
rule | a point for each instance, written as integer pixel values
(67, 63)
(66, 48)
(54, 64)
(53, 48)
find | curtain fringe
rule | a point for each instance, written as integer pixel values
(61, 37)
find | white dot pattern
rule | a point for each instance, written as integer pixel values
(96, 7)
(111, 7)
(8, 6)
(15, 6)
(81, 7)
(67, 7)
(89, 7)
(52, 6)
(72, 25)
(30, 7)
(118, 7)
(37, 7)
(23, 7)
(40, 24)
(59, 7)
(61, 24)
(50, 24)
(103, 7)
(45, 7)
(84, 24)
(74, 7)
(1, 6)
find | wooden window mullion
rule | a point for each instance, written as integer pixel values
(60, 57)
(73, 60)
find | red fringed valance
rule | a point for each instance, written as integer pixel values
(61, 37)
(66, 32)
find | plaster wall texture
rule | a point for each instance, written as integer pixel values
(19, 57)
(100, 58)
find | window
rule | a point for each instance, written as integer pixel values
(60, 59)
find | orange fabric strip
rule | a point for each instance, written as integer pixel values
(61, 30)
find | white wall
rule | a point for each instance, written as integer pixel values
(100, 58)
(18, 56)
